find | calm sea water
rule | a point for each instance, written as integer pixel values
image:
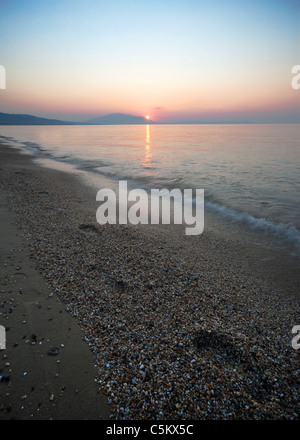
(250, 173)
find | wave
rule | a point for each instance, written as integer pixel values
(284, 231)
(287, 232)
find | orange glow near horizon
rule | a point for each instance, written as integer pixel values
(210, 60)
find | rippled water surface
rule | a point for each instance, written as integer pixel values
(250, 173)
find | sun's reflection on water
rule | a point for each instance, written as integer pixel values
(147, 161)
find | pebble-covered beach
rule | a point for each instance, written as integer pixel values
(179, 328)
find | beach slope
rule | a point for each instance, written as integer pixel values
(170, 326)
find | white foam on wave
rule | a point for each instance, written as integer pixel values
(283, 231)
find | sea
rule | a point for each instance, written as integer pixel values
(250, 173)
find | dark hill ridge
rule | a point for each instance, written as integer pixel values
(20, 119)
(112, 119)
(119, 118)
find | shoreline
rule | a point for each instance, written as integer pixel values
(273, 259)
(179, 328)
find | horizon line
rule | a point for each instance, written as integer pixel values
(54, 121)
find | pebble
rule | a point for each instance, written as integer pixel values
(177, 328)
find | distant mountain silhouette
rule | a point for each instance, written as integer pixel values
(112, 119)
(15, 119)
(119, 119)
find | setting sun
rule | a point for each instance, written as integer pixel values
(147, 117)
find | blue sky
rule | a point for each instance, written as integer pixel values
(174, 60)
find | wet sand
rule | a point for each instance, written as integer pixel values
(47, 368)
(178, 327)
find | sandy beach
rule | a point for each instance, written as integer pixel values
(47, 370)
(132, 322)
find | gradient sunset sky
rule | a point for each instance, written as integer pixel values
(175, 60)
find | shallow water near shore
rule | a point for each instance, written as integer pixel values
(181, 327)
(275, 260)
(250, 176)
(250, 173)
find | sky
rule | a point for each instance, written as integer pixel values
(175, 60)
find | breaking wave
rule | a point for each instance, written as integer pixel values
(281, 230)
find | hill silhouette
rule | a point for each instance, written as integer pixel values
(111, 119)
(119, 119)
(22, 119)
